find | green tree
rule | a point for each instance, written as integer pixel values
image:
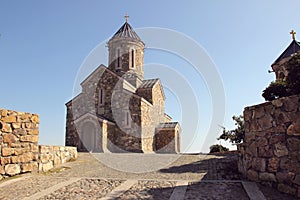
(293, 78)
(290, 85)
(236, 135)
(275, 90)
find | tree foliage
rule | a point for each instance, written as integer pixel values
(236, 135)
(287, 87)
(275, 90)
(217, 148)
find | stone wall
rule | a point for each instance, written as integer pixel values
(19, 150)
(18, 142)
(51, 156)
(271, 150)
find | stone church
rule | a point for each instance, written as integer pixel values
(118, 110)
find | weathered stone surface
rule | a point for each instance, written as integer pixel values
(285, 177)
(277, 138)
(294, 129)
(16, 125)
(35, 119)
(280, 150)
(267, 177)
(47, 166)
(252, 175)
(9, 119)
(29, 138)
(33, 132)
(273, 164)
(29, 167)
(286, 189)
(4, 113)
(277, 103)
(19, 132)
(6, 127)
(9, 138)
(261, 141)
(12, 169)
(6, 151)
(5, 160)
(2, 171)
(259, 164)
(293, 144)
(297, 179)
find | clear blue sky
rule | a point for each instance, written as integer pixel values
(44, 43)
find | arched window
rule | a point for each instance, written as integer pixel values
(132, 58)
(101, 96)
(119, 58)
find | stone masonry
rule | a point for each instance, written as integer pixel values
(271, 150)
(118, 110)
(19, 150)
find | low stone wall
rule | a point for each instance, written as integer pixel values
(271, 150)
(50, 156)
(18, 142)
(19, 150)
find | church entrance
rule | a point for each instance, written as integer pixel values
(91, 139)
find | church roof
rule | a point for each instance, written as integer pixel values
(126, 31)
(148, 83)
(293, 48)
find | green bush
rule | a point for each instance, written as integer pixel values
(217, 148)
(236, 135)
(275, 90)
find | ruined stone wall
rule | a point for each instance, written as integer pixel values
(165, 140)
(19, 150)
(51, 156)
(18, 142)
(271, 150)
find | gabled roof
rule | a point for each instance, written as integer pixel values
(126, 31)
(148, 83)
(293, 48)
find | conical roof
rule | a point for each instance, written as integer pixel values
(126, 31)
(293, 48)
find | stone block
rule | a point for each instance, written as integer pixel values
(5, 160)
(277, 103)
(47, 166)
(259, 164)
(4, 113)
(2, 171)
(12, 169)
(252, 175)
(286, 189)
(34, 148)
(9, 119)
(16, 125)
(9, 138)
(29, 138)
(33, 132)
(277, 138)
(270, 177)
(280, 150)
(6, 151)
(44, 158)
(294, 129)
(297, 179)
(273, 164)
(285, 177)
(35, 119)
(249, 136)
(56, 160)
(29, 167)
(265, 152)
(293, 144)
(19, 132)
(6, 128)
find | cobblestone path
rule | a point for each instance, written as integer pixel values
(181, 177)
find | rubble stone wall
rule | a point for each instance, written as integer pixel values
(19, 150)
(271, 150)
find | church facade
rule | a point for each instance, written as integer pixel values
(118, 110)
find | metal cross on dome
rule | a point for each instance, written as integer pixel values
(126, 17)
(293, 33)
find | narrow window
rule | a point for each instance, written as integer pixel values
(101, 96)
(132, 58)
(127, 119)
(118, 59)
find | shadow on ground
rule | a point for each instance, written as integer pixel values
(218, 168)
